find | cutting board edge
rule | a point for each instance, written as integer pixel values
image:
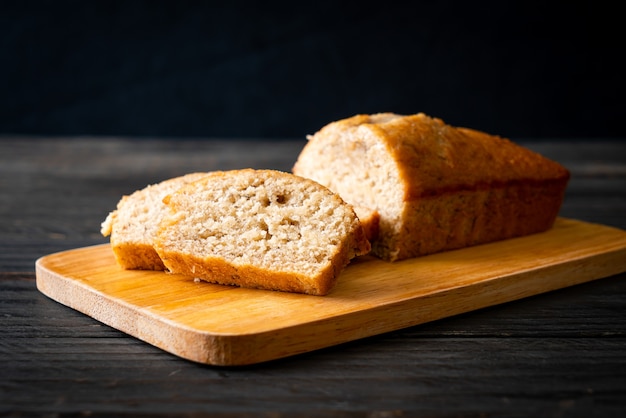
(135, 322)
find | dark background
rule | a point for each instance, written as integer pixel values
(284, 69)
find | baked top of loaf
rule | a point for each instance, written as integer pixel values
(260, 228)
(432, 157)
(133, 224)
(435, 187)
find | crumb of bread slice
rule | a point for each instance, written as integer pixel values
(260, 229)
(133, 224)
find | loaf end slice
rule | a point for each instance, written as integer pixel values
(133, 224)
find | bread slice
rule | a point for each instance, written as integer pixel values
(133, 225)
(261, 229)
(436, 187)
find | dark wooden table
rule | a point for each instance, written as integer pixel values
(558, 354)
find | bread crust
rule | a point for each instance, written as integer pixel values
(436, 187)
(221, 271)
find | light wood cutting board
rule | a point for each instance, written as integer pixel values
(222, 325)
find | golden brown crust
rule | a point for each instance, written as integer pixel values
(220, 271)
(137, 256)
(431, 155)
(457, 220)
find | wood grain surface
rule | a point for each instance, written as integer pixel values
(223, 325)
(557, 354)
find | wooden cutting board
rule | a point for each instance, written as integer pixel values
(222, 325)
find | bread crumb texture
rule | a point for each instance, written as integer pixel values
(260, 228)
(435, 187)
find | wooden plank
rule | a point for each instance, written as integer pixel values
(223, 325)
(515, 357)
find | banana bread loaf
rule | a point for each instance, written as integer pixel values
(435, 187)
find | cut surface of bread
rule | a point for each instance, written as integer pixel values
(369, 219)
(133, 224)
(435, 187)
(262, 229)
